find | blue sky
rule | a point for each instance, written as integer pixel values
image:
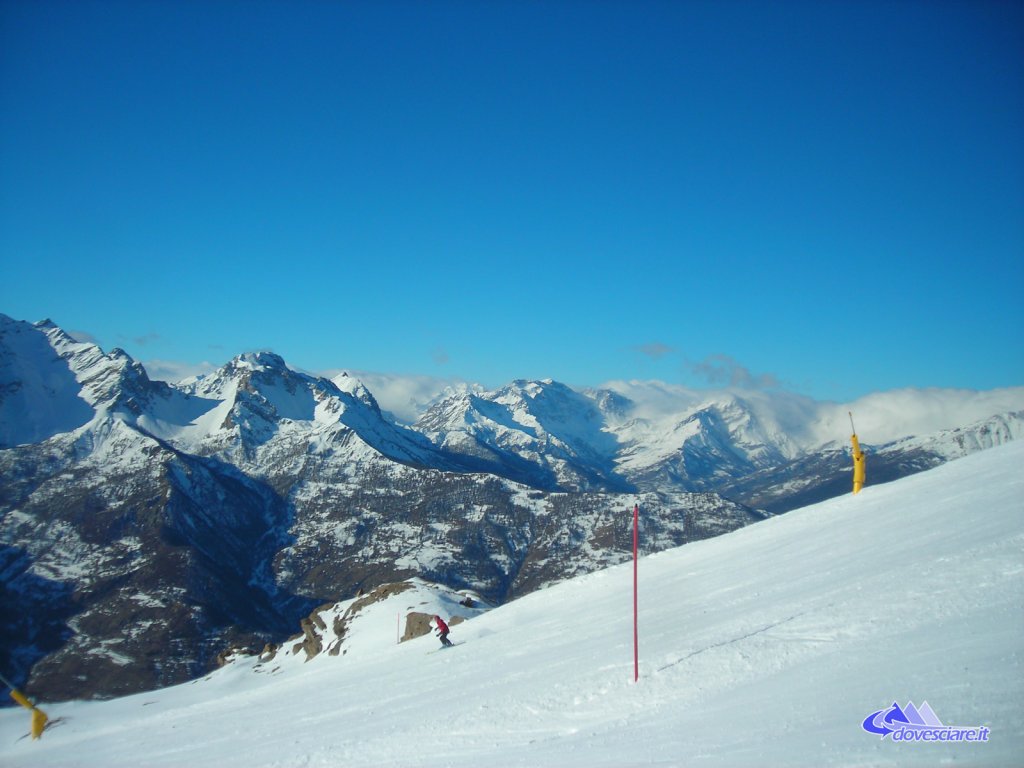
(826, 196)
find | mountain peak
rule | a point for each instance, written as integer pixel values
(353, 386)
(259, 361)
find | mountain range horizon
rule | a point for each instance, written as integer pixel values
(407, 396)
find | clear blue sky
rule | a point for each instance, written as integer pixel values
(828, 196)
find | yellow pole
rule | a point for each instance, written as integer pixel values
(39, 718)
(858, 460)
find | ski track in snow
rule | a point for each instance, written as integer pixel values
(764, 647)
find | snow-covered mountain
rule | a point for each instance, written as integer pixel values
(772, 645)
(540, 432)
(652, 436)
(222, 509)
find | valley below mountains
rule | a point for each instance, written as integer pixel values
(146, 526)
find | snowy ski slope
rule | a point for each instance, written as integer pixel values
(765, 647)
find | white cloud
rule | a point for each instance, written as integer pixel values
(83, 337)
(725, 371)
(174, 370)
(652, 398)
(145, 339)
(655, 350)
(404, 396)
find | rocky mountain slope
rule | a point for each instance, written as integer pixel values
(144, 527)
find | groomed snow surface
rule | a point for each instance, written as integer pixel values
(765, 647)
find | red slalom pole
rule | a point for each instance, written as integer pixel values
(636, 541)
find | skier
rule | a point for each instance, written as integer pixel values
(442, 631)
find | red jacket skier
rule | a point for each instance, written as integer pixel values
(442, 630)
